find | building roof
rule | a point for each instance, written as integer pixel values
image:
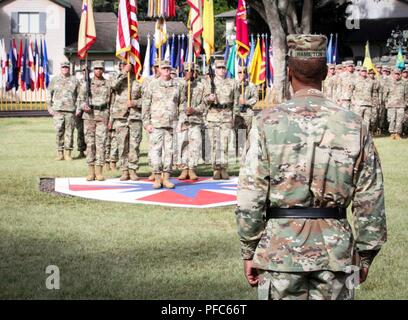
(227, 14)
(64, 3)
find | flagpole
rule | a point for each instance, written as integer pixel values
(189, 71)
(243, 80)
(128, 78)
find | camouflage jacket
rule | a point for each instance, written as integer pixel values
(250, 93)
(196, 103)
(344, 90)
(162, 102)
(329, 87)
(119, 109)
(396, 94)
(227, 93)
(62, 93)
(308, 152)
(376, 92)
(99, 100)
(362, 91)
(384, 83)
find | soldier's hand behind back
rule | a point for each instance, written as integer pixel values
(251, 274)
(363, 274)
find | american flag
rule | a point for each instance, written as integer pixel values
(271, 69)
(127, 40)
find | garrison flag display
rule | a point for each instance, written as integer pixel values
(368, 63)
(241, 22)
(87, 32)
(127, 39)
(208, 28)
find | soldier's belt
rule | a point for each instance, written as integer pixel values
(306, 213)
(100, 108)
(222, 106)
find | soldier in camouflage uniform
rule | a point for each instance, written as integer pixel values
(306, 161)
(384, 82)
(404, 77)
(247, 101)
(396, 98)
(126, 120)
(79, 124)
(336, 81)
(61, 97)
(362, 89)
(96, 118)
(163, 100)
(223, 106)
(376, 101)
(189, 125)
(344, 88)
(329, 84)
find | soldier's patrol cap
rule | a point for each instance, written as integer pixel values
(331, 66)
(173, 71)
(306, 46)
(65, 64)
(98, 64)
(188, 66)
(349, 63)
(363, 68)
(219, 63)
(396, 70)
(378, 65)
(386, 68)
(405, 70)
(358, 68)
(165, 64)
(339, 66)
(156, 63)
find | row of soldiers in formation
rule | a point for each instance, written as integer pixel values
(380, 98)
(165, 106)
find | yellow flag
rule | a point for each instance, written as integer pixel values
(256, 64)
(208, 28)
(87, 32)
(160, 32)
(367, 60)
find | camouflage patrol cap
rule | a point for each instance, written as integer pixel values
(306, 46)
(65, 64)
(358, 68)
(339, 66)
(404, 71)
(378, 65)
(165, 64)
(331, 66)
(349, 63)
(219, 63)
(156, 63)
(188, 66)
(98, 64)
(173, 71)
(363, 68)
(386, 68)
(396, 71)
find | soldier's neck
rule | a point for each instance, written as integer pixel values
(297, 85)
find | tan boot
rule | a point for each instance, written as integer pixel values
(133, 176)
(67, 155)
(192, 174)
(157, 181)
(183, 175)
(124, 176)
(152, 177)
(91, 173)
(397, 136)
(392, 136)
(81, 155)
(107, 166)
(166, 182)
(217, 174)
(98, 173)
(113, 166)
(224, 174)
(60, 156)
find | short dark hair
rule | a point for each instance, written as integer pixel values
(308, 70)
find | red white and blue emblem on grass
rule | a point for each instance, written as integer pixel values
(203, 193)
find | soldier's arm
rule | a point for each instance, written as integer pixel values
(368, 203)
(253, 96)
(146, 105)
(235, 109)
(50, 92)
(81, 98)
(252, 191)
(182, 98)
(117, 81)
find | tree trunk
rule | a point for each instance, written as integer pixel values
(307, 13)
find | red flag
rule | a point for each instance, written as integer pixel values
(262, 75)
(127, 39)
(241, 23)
(196, 23)
(87, 31)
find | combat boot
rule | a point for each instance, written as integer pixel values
(166, 182)
(397, 136)
(132, 174)
(113, 165)
(157, 181)
(152, 177)
(183, 175)
(107, 166)
(192, 174)
(224, 174)
(392, 136)
(217, 174)
(98, 173)
(81, 155)
(60, 156)
(91, 173)
(124, 176)
(67, 155)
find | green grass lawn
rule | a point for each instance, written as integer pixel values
(124, 251)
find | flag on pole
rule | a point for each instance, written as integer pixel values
(255, 68)
(160, 33)
(230, 63)
(153, 53)
(368, 63)
(400, 63)
(37, 65)
(25, 74)
(251, 52)
(196, 24)
(87, 31)
(242, 30)
(208, 28)
(329, 51)
(127, 39)
(271, 68)
(1, 65)
(262, 74)
(226, 51)
(172, 53)
(167, 52)
(146, 62)
(177, 66)
(12, 74)
(334, 59)
(45, 66)
(182, 57)
(41, 68)
(31, 66)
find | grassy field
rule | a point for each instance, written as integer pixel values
(111, 250)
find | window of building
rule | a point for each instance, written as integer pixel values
(28, 22)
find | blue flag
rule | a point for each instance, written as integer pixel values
(172, 55)
(334, 55)
(177, 64)
(12, 76)
(251, 51)
(400, 60)
(45, 66)
(226, 52)
(153, 52)
(329, 52)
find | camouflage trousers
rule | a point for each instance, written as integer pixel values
(219, 139)
(315, 285)
(111, 147)
(395, 117)
(96, 131)
(135, 138)
(79, 124)
(189, 145)
(161, 149)
(64, 124)
(242, 126)
(368, 113)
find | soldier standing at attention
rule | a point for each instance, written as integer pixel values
(404, 77)
(163, 100)
(96, 118)
(376, 101)
(223, 106)
(79, 125)
(384, 82)
(396, 98)
(344, 90)
(329, 84)
(189, 125)
(306, 161)
(125, 119)
(61, 97)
